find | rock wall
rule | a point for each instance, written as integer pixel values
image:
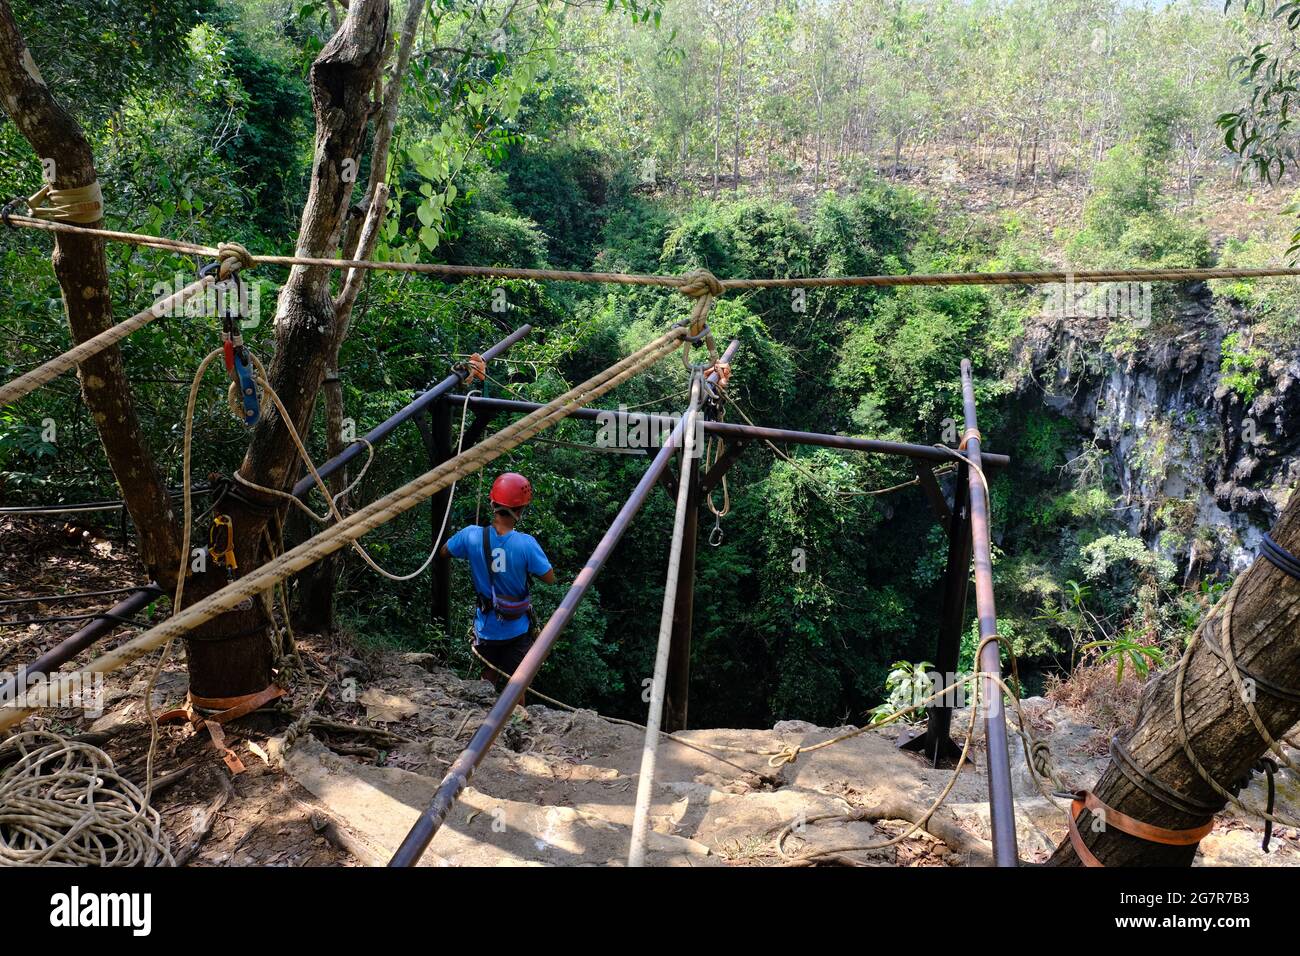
(1201, 472)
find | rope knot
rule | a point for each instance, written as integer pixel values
(787, 755)
(700, 282)
(233, 256)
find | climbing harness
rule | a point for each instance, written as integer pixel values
(352, 527)
(504, 607)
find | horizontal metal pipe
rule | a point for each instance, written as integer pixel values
(457, 777)
(420, 404)
(74, 644)
(735, 432)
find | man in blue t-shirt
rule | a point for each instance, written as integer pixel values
(501, 560)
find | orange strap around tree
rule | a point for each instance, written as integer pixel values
(1087, 800)
(228, 708)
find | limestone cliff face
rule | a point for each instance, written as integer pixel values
(1201, 470)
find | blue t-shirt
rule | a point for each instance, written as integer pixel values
(514, 557)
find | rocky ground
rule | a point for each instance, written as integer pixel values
(558, 788)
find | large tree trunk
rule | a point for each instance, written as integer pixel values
(82, 270)
(317, 610)
(233, 654)
(1266, 641)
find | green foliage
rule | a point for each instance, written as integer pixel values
(1126, 648)
(1126, 220)
(510, 149)
(95, 53)
(1239, 370)
(906, 685)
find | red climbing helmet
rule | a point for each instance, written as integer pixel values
(511, 490)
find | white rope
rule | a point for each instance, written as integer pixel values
(649, 752)
(63, 804)
(350, 529)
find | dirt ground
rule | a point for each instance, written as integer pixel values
(557, 789)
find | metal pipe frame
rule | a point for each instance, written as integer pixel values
(1002, 812)
(73, 645)
(968, 527)
(458, 775)
(420, 404)
(733, 432)
(77, 642)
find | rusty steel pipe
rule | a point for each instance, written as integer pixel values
(734, 432)
(75, 643)
(457, 776)
(420, 404)
(1002, 811)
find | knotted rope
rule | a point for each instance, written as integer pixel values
(231, 257)
(677, 281)
(77, 204)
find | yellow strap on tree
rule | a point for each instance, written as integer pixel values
(81, 204)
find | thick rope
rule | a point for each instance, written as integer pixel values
(697, 284)
(333, 501)
(650, 749)
(353, 527)
(70, 359)
(64, 804)
(1181, 720)
(77, 204)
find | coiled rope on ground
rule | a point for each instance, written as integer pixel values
(62, 803)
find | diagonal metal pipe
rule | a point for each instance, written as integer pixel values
(1002, 812)
(420, 404)
(457, 776)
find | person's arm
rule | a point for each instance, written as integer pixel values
(539, 566)
(455, 546)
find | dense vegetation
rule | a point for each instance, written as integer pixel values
(524, 141)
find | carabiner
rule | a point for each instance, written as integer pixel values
(715, 536)
(224, 553)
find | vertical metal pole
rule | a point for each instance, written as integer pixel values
(936, 743)
(1002, 813)
(440, 579)
(679, 649)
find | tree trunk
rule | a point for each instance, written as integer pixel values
(320, 582)
(82, 270)
(233, 655)
(1265, 624)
